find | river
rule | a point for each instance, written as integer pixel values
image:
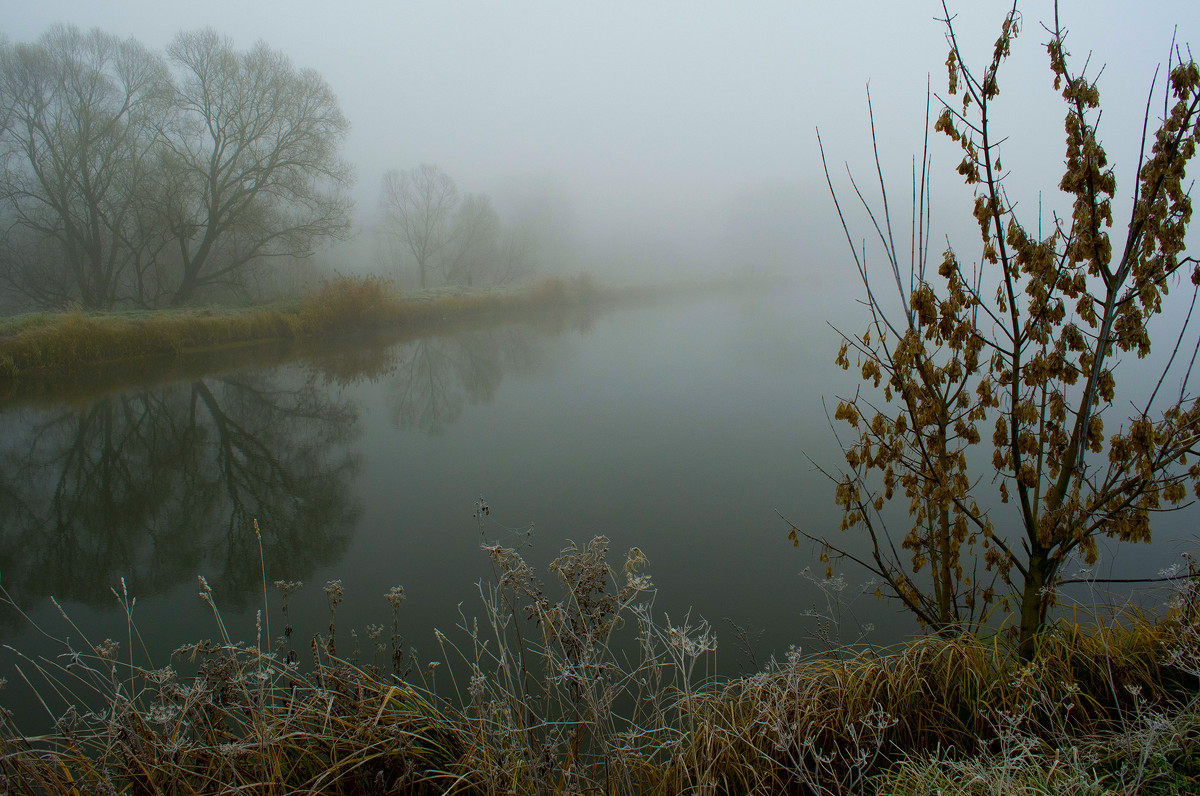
(684, 428)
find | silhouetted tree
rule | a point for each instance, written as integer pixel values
(251, 160)
(122, 182)
(418, 212)
(474, 247)
(82, 115)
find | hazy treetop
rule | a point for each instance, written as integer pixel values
(636, 107)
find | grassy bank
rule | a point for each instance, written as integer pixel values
(77, 355)
(40, 343)
(541, 694)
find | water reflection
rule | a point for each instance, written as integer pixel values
(434, 379)
(157, 485)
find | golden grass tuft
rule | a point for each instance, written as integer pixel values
(345, 303)
(580, 687)
(553, 704)
(55, 342)
(842, 719)
(341, 731)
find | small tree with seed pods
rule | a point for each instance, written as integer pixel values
(1015, 349)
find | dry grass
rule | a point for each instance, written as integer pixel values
(343, 328)
(243, 724)
(580, 687)
(832, 724)
(36, 344)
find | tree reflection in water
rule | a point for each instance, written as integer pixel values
(156, 485)
(433, 379)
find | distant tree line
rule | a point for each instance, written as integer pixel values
(448, 238)
(130, 178)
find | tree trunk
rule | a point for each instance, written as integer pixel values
(190, 280)
(946, 587)
(1032, 601)
(183, 293)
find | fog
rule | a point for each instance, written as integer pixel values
(669, 134)
(628, 140)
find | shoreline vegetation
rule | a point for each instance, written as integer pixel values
(539, 693)
(571, 681)
(74, 353)
(573, 685)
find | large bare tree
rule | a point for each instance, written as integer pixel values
(122, 182)
(252, 161)
(81, 115)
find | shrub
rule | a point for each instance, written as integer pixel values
(349, 302)
(1020, 348)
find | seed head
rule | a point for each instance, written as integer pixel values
(395, 596)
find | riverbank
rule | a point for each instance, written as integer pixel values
(43, 342)
(1104, 708)
(76, 353)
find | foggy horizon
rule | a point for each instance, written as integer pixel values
(287, 289)
(679, 128)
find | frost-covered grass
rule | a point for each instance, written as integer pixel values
(580, 686)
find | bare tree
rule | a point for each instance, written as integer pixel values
(119, 183)
(515, 254)
(1023, 343)
(252, 161)
(418, 212)
(82, 114)
(473, 249)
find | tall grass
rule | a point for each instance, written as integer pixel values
(578, 685)
(50, 342)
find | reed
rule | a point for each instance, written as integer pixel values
(40, 343)
(578, 685)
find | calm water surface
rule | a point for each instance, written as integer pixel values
(681, 428)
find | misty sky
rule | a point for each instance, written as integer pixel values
(656, 113)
